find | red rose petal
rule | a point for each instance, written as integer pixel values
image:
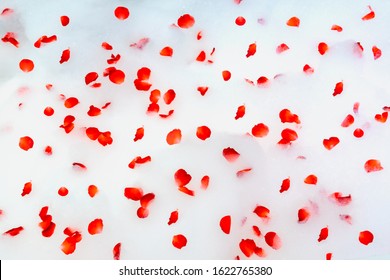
(330, 143)
(64, 20)
(340, 199)
(169, 96)
(92, 190)
(174, 216)
(366, 237)
(273, 240)
(260, 130)
(182, 178)
(167, 51)
(323, 234)
(14, 231)
(262, 211)
(174, 137)
(285, 185)
(293, 22)
(26, 65)
(311, 179)
(322, 48)
(251, 50)
(203, 132)
(133, 193)
(226, 75)
(147, 199)
(225, 224)
(117, 77)
(26, 143)
(116, 251)
(121, 13)
(71, 102)
(179, 241)
(240, 112)
(373, 165)
(27, 188)
(247, 247)
(186, 21)
(240, 21)
(286, 116)
(63, 191)
(95, 227)
(230, 154)
(303, 215)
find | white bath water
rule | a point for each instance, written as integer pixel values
(25, 95)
